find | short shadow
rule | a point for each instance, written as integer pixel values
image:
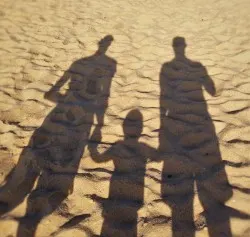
(126, 193)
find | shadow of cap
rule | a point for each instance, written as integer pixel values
(106, 41)
(179, 41)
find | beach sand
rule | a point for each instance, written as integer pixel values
(125, 118)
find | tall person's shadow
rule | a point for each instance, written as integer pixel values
(53, 154)
(187, 138)
(126, 193)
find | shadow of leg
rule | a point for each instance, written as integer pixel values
(16, 188)
(41, 202)
(178, 193)
(216, 214)
(121, 229)
(182, 217)
(120, 219)
(27, 226)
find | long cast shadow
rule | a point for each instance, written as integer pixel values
(53, 154)
(126, 193)
(187, 138)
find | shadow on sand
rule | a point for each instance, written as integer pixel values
(188, 147)
(192, 159)
(53, 154)
(126, 192)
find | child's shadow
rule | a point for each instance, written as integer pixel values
(126, 191)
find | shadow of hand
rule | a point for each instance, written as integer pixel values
(96, 135)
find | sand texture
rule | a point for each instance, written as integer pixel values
(125, 118)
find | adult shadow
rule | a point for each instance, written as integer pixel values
(190, 149)
(126, 193)
(55, 149)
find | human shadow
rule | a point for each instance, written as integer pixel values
(190, 149)
(126, 193)
(55, 149)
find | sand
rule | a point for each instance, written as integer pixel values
(125, 118)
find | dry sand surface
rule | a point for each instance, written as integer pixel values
(125, 118)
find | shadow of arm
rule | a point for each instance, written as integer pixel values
(152, 153)
(96, 155)
(53, 94)
(93, 148)
(208, 84)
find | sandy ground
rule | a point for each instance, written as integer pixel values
(125, 118)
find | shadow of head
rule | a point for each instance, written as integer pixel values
(104, 43)
(179, 45)
(133, 124)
